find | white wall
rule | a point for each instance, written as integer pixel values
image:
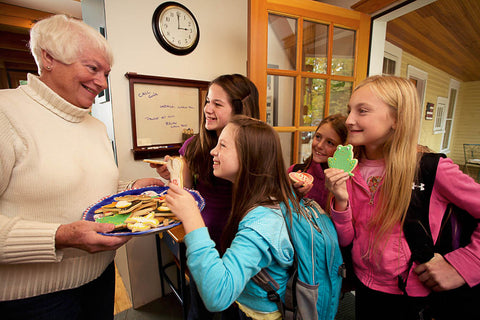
(222, 49)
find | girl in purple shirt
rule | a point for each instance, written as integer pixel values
(329, 134)
(228, 95)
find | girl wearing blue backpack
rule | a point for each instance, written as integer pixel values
(371, 210)
(249, 154)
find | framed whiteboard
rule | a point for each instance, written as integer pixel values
(161, 110)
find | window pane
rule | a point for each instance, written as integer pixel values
(280, 100)
(446, 135)
(305, 145)
(388, 66)
(315, 44)
(343, 58)
(282, 42)
(286, 140)
(340, 92)
(313, 106)
(451, 104)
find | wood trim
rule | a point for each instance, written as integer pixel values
(371, 6)
(363, 49)
(257, 59)
(159, 150)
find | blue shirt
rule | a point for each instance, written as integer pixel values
(261, 241)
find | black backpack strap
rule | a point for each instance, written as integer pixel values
(267, 283)
(416, 227)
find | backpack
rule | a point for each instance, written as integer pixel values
(313, 288)
(349, 278)
(456, 230)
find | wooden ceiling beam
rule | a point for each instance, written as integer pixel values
(8, 55)
(21, 66)
(19, 16)
(14, 41)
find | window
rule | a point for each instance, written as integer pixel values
(388, 66)
(440, 115)
(419, 78)
(305, 58)
(450, 113)
(392, 60)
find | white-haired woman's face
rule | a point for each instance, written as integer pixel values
(81, 81)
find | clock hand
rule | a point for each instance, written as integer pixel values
(178, 22)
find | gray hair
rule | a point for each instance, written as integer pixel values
(60, 36)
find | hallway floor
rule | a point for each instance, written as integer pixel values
(169, 307)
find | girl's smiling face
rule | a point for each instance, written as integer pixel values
(218, 109)
(370, 122)
(324, 143)
(225, 158)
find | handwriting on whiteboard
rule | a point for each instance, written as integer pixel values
(162, 119)
(162, 112)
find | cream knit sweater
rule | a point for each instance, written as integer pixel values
(55, 161)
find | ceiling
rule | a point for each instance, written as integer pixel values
(445, 33)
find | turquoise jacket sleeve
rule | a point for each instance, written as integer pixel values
(261, 241)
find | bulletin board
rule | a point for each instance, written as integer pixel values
(161, 110)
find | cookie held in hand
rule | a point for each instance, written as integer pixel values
(343, 159)
(304, 177)
(175, 167)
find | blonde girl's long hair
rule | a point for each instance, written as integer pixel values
(400, 153)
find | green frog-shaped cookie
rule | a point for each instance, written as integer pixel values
(343, 159)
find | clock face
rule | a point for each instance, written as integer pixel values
(175, 28)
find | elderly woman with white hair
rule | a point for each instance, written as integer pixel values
(55, 161)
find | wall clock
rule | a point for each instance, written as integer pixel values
(175, 28)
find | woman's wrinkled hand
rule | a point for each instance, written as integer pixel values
(85, 235)
(146, 182)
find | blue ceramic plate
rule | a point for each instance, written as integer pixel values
(90, 212)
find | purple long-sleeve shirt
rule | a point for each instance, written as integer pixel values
(319, 192)
(218, 202)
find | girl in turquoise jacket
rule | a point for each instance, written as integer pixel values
(249, 155)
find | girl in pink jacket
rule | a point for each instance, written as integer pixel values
(369, 208)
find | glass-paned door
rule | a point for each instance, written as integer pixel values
(305, 58)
